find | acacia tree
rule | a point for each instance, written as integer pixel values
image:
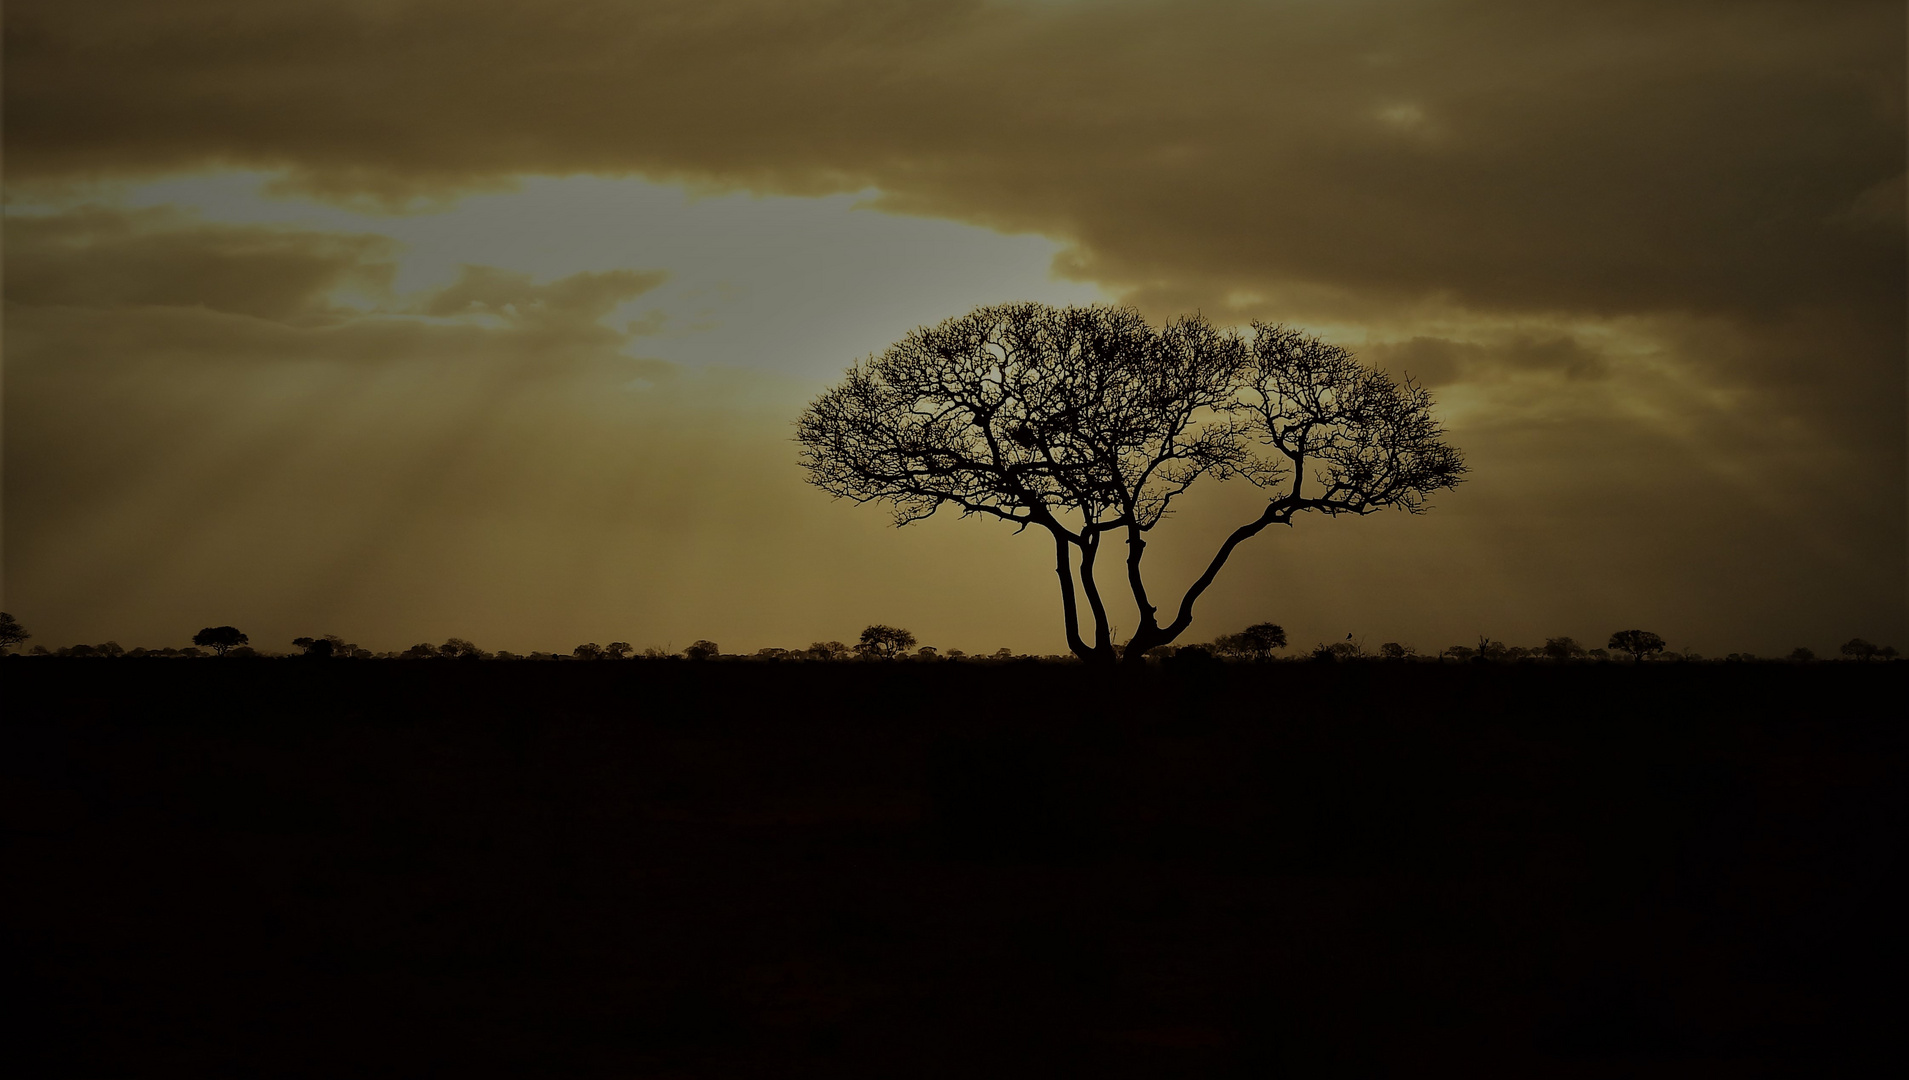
(220, 639)
(1639, 643)
(885, 642)
(1087, 423)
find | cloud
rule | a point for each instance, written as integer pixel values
(1625, 157)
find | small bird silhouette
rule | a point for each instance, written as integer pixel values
(1348, 635)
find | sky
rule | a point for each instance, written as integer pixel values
(408, 319)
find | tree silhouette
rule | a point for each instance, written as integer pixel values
(829, 650)
(618, 650)
(1858, 649)
(220, 639)
(1256, 642)
(702, 650)
(1639, 643)
(458, 648)
(885, 642)
(11, 632)
(1563, 648)
(1088, 423)
(317, 648)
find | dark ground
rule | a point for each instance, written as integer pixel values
(327, 869)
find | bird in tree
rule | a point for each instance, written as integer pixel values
(220, 639)
(1087, 423)
(11, 632)
(885, 642)
(1639, 643)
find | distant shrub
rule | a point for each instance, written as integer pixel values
(1392, 650)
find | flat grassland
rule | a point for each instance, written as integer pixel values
(298, 868)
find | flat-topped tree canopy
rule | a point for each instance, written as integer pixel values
(1087, 421)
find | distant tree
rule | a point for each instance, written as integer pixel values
(220, 639)
(317, 648)
(1003, 653)
(1392, 650)
(109, 649)
(1598, 654)
(702, 650)
(1458, 652)
(588, 651)
(459, 649)
(829, 650)
(1256, 642)
(1088, 423)
(1639, 643)
(1858, 649)
(11, 632)
(884, 642)
(928, 652)
(1338, 650)
(955, 654)
(653, 652)
(1563, 648)
(1801, 654)
(618, 650)
(420, 651)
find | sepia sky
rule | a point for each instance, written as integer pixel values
(404, 319)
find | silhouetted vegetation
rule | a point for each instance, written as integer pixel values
(11, 632)
(1639, 643)
(884, 642)
(1088, 423)
(1258, 643)
(220, 639)
(1858, 649)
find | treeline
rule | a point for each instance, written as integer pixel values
(1259, 643)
